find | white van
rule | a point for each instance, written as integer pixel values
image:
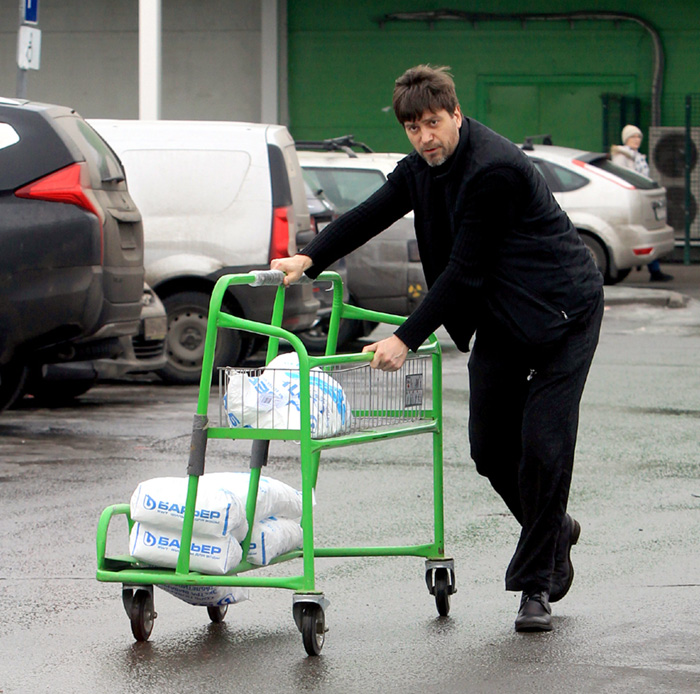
(216, 198)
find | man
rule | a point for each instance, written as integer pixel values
(503, 262)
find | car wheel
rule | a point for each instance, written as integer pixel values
(621, 274)
(12, 378)
(315, 338)
(599, 255)
(184, 345)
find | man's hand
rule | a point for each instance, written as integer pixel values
(293, 267)
(389, 354)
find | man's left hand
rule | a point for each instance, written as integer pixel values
(389, 354)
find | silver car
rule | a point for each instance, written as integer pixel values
(620, 214)
(384, 274)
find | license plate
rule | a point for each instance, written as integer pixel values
(659, 211)
(155, 328)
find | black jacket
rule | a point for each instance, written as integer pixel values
(497, 250)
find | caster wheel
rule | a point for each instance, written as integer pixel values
(442, 592)
(217, 612)
(313, 628)
(142, 615)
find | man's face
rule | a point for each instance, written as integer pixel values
(435, 136)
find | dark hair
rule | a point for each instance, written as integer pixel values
(423, 88)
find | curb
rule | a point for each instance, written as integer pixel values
(617, 296)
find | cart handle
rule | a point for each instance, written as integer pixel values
(274, 278)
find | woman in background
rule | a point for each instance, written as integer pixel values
(628, 156)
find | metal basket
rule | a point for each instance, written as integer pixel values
(375, 398)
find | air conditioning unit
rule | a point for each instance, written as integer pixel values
(667, 165)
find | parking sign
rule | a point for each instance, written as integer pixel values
(29, 48)
(31, 11)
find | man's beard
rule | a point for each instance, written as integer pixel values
(436, 162)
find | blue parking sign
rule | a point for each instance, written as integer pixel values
(31, 11)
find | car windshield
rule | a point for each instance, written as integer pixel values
(345, 188)
(631, 177)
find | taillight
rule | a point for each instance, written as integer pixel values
(70, 185)
(279, 244)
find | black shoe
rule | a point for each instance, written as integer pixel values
(660, 277)
(535, 614)
(563, 574)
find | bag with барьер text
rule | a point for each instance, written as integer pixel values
(271, 399)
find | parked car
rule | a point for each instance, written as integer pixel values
(385, 274)
(322, 212)
(71, 244)
(216, 198)
(620, 214)
(54, 384)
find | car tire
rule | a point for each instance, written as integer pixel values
(184, 344)
(12, 379)
(599, 255)
(621, 274)
(315, 338)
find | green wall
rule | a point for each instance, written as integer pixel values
(520, 79)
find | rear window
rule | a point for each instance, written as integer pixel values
(559, 179)
(345, 188)
(95, 150)
(631, 177)
(8, 136)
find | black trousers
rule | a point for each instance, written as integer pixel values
(523, 422)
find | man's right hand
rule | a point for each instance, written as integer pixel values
(293, 267)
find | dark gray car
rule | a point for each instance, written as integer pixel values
(385, 274)
(71, 244)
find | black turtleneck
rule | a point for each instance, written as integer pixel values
(495, 246)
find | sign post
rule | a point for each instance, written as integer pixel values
(28, 43)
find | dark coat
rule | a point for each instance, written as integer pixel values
(497, 250)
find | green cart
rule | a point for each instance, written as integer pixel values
(383, 405)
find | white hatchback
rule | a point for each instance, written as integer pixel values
(620, 214)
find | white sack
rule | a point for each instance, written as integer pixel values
(275, 498)
(208, 595)
(160, 502)
(160, 547)
(272, 400)
(272, 537)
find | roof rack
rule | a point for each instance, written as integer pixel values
(344, 143)
(528, 146)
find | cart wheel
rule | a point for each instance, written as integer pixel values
(217, 612)
(442, 592)
(142, 615)
(313, 628)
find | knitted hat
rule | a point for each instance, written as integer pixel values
(628, 131)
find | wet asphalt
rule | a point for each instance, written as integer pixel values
(629, 624)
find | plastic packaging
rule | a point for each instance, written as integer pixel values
(208, 595)
(160, 547)
(272, 537)
(275, 498)
(271, 399)
(160, 502)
